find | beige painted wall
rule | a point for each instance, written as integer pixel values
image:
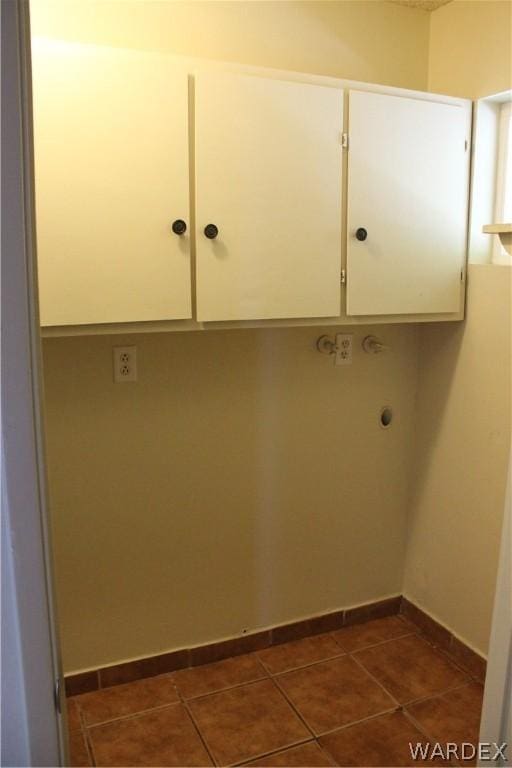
(463, 440)
(463, 432)
(470, 48)
(361, 39)
(242, 482)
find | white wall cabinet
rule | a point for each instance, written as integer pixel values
(111, 165)
(125, 140)
(268, 176)
(407, 201)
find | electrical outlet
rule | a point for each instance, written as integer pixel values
(344, 349)
(125, 364)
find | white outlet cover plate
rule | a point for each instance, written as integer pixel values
(344, 345)
(125, 364)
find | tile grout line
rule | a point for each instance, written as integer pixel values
(337, 656)
(262, 755)
(375, 680)
(115, 686)
(307, 666)
(203, 740)
(458, 664)
(130, 716)
(336, 639)
(438, 695)
(420, 698)
(449, 658)
(422, 730)
(292, 705)
(85, 735)
(261, 664)
(389, 711)
(330, 756)
(224, 690)
(419, 726)
(273, 752)
(227, 688)
(380, 642)
(89, 747)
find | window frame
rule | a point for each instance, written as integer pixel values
(503, 189)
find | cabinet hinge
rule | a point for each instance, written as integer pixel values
(344, 140)
(466, 144)
(462, 275)
(343, 279)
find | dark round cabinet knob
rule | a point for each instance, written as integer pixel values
(361, 234)
(179, 227)
(211, 231)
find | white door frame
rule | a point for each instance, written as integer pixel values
(32, 730)
(496, 724)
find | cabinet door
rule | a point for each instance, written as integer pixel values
(407, 187)
(111, 164)
(268, 175)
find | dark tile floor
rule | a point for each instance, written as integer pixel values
(354, 697)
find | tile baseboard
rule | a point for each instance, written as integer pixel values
(117, 674)
(441, 637)
(83, 682)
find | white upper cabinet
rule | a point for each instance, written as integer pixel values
(111, 164)
(407, 192)
(268, 177)
(114, 132)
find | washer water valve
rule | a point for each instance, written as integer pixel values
(373, 346)
(340, 346)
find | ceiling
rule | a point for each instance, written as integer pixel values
(426, 5)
